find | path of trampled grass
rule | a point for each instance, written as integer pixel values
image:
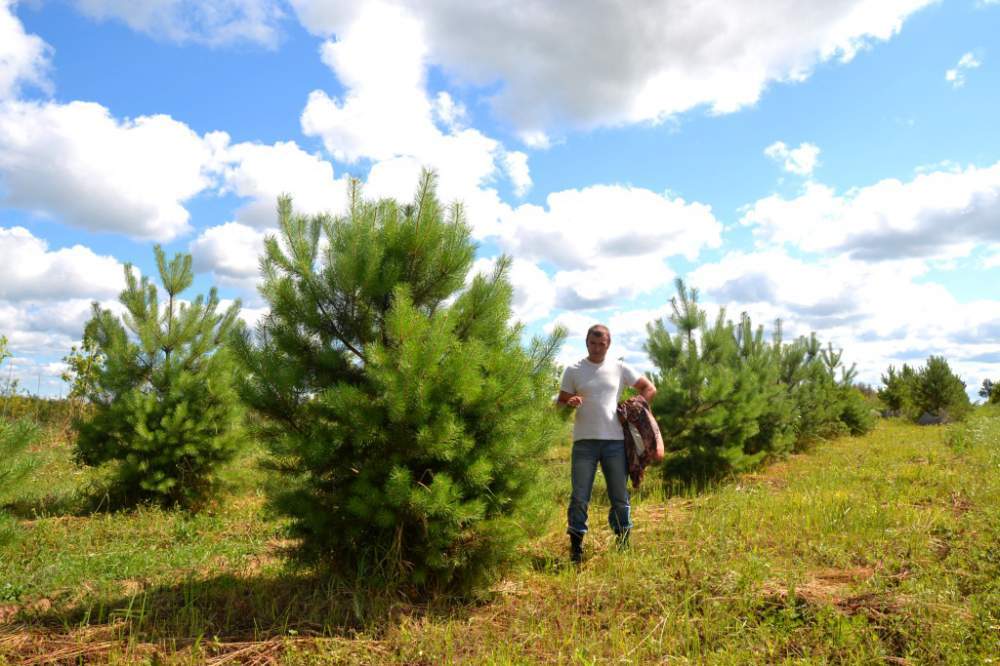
(882, 549)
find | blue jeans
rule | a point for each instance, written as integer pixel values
(610, 453)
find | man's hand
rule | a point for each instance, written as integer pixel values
(645, 389)
(570, 399)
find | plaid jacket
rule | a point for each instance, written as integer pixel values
(643, 443)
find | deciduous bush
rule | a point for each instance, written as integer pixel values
(406, 419)
(163, 406)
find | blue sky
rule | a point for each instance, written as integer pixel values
(835, 164)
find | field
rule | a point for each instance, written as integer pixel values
(879, 549)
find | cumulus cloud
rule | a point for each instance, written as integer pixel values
(611, 63)
(937, 214)
(45, 300)
(263, 173)
(516, 164)
(956, 75)
(30, 271)
(232, 252)
(801, 161)
(24, 58)
(77, 163)
(608, 243)
(577, 229)
(386, 116)
(878, 312)
(213, 23)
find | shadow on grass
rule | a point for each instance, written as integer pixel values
(695, 473)
(97, 497)
(248, 608)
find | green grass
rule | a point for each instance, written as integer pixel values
(880, 549)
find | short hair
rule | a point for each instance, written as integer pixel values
(598, 327)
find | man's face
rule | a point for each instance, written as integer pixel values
(597, 344)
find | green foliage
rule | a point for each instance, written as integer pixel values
(990, 391)
(940, 392)
(160, 386)
(15, 438)
(709, 398)
(404, 414)
(932, 389)
(15, 465)
(897, 392)
(82, 364)
(8, 386)
(727, 398)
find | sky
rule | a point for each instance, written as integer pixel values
(832, 163)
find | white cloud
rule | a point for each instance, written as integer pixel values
(386, 116)
(610, 283)
(800, 161)
(448, 111)
(535, 139)
(24, 58)
(231, 251)
(79, 164)
(611, 63)
(879, 313)
(213, 23)
(263, 173)
(937, 214)
(516, 164)
(956, 75)
(30, 271)
(608, 243)
(578, 229)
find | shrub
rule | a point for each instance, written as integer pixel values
(162, 402)
(402, 412)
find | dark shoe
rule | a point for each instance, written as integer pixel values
(576, 548)
(621, 540)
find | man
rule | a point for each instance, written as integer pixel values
(592, 386)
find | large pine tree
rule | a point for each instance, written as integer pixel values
(406, 417)
(162, 396)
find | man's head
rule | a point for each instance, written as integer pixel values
(598, 341)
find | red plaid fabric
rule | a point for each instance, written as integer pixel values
(643, 443)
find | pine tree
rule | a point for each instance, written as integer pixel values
(163, 403)
(898, 389)
(939, 392)
(15, 438)
(405, 417)
(708, 402)
(987, 389)
(727, 398)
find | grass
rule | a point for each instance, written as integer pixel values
(880, 549)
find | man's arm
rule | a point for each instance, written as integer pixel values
(645, 389)
(570, 399)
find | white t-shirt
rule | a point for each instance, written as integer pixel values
(600, 385)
